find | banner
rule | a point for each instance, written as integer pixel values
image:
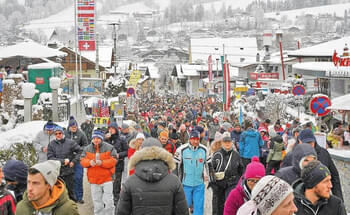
(134, 78)
(210, 68)
(86, 25)
(226, 81)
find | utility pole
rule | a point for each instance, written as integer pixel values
(97, 67)
(115, 46)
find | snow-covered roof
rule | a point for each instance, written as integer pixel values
(105, 56)
(45, 66)
(240, 51)
(153, 72)
(29, 49)
(191, 70)
(314, 66)
(322, 50)
(337, 9)
(137, 7)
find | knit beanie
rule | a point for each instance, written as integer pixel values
(194, 134)
(49, 169)
(164, 134)
(58, 128)
(149, 142)
(254, 169)
(72, 122)
(266, 196)
(49, 125)
(218, 136)
(15, 170)
(97, 133)
(140, 135)
(313, 173)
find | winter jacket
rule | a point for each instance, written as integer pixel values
(78, 136)
(292, 173)
(276, 148)
(333, 205)
(237, 198)
(170, 147)
(62, 149)
(152, 190)
(107, 154)
(120, 144)
(58, 204)
(213, 128)
(234, 170)
(191, 162)
(87, 128)
(235, 136)
(42, 139)
(250, 143)
(184, 137)
(7, 202)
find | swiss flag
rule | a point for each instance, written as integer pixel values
(87, 45)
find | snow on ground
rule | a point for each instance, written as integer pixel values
(338, 9)
(234, 4)
(340, 153)
(303, 116)
(23, 133)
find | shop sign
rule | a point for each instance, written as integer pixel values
(338, 73)
(39, 80)
(340, 61)
(256, 76)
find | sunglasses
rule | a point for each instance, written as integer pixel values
(58, 133)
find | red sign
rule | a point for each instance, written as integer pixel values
(86, 25)
(256, 76)
(298, 90)
(39, 80)
(338, 61)
(210, 68)
(318, 105)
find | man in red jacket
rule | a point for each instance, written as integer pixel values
(100, 158)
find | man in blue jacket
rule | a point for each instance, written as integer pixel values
(250, 143)
(192, 159)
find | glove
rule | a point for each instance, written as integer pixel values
(98, 162)
(92, 163)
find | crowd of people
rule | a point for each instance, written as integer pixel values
(176, 150)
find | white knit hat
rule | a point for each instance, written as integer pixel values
(266, 196)
(140, 135)
(50, 170)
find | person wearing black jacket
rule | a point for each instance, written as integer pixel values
(75, 134)
(225, 160)
(114, 138)
(306, 136)
(7, 201)
(68, 153)
(313, 192)
(153, 189)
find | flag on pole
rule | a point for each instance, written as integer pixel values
(210, 68)
(226, 83)
(86, 24)
(240, 115)
(99, 103)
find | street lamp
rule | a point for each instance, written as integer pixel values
(115, 45)
(54, 85)
(28, 92)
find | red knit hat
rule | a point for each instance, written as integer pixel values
(255, 169)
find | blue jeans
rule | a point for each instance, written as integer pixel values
(195, 195)
(78, 181)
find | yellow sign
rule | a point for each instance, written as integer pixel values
(100, 120)
(241, 89)
(134, 78)
(201, 90)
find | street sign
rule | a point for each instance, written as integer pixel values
(298, 90)
(119, 110)
(319, 104)
(131, 91)
(134, 78)
(119, 121)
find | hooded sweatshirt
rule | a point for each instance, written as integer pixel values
(292, 173)
(58, 204)
(152, 189)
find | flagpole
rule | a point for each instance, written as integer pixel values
(76, 88)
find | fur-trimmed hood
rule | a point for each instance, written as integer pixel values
(152, 164)
(152, 153)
